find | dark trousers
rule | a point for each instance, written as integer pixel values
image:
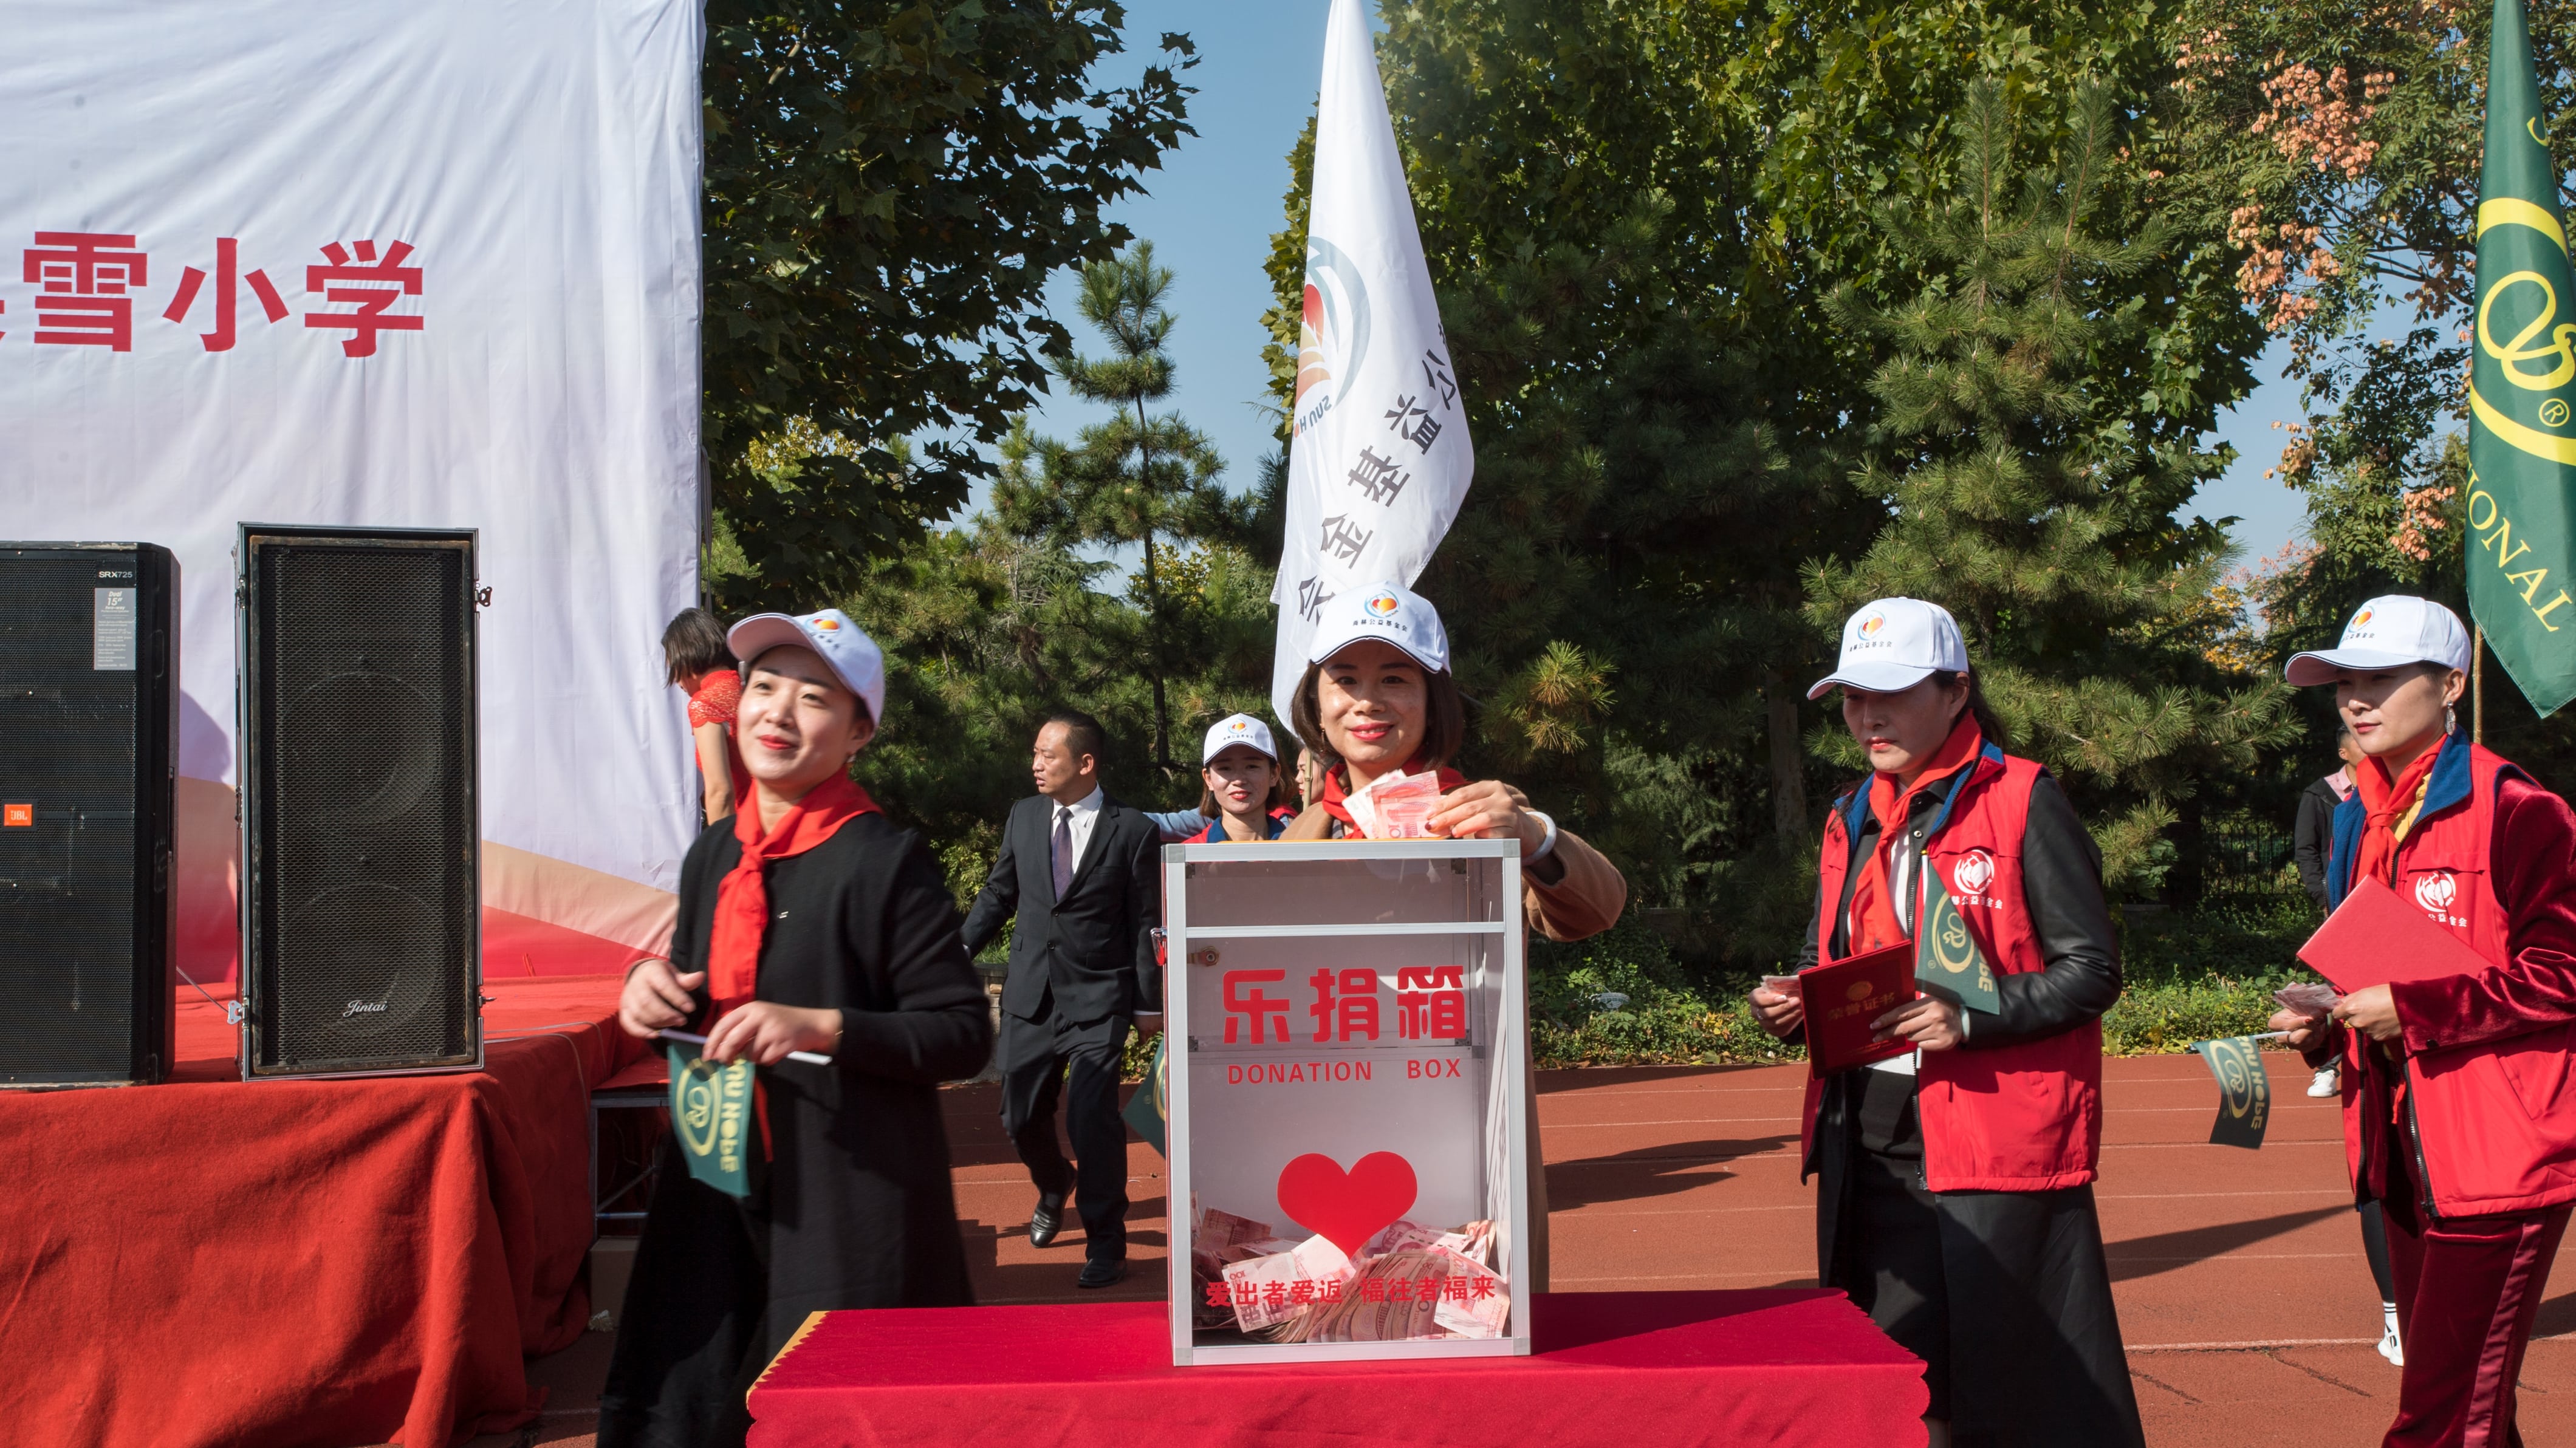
(2467, 1290)
(693, 1334)
(1079, 1061)
(2004, 1295)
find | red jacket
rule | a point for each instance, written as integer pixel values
(2492, 859)
(2017, 1118)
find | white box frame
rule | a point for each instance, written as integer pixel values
(1506, 1107)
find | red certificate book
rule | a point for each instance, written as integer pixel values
(1842, 999)
(2374, 938)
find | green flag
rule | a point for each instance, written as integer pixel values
(2244, 1091)
(711, 1115)
(1947, 962)
(1145, 1110)
(2522, 383)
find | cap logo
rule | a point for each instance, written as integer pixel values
(2360, 618)
(1238, 726)
(1870, 626)
(828, 625)
(1381, 604)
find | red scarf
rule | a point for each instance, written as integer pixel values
(1874, 924)
(2386, 799)
(742, 897)
(1337, 789)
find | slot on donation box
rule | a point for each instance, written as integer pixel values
(1349, 1099)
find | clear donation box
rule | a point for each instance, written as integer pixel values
(1347, 1108)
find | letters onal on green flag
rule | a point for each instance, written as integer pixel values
(1947, 962)
(711, 1115)
(2521, 550)
(2244, 1091)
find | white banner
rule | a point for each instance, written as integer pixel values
(1378, 459)
(396, 265)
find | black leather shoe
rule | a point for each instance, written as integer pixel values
(1044, 1222)
(1102, 1272)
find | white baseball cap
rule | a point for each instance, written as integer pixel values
(1389, 612)
(1896, 643)
(2389, 632)
(845, 649)
(1236, 729)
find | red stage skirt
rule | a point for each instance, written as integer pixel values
(1611, 1370)
(214, 1261)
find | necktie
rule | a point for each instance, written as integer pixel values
(1061, 850)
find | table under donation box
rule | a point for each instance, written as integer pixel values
(1347, 1097)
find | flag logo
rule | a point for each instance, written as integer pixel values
(1332, 330)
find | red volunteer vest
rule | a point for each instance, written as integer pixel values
(2020, 1118)
(2495, 1122)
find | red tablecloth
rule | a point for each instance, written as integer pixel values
(302, 1262)
(1614, 1369)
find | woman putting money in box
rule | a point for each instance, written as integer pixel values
(807, 924)
(2457, 1120)
(1379, 709)
(1955, 1199)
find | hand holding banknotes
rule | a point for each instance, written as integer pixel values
(2371, 1010)
(1778, 1006)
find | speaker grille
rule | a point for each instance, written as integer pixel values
(77, 941)
(363, 836)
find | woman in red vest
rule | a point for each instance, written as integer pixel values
(2457, 1117)
(1955, 1197)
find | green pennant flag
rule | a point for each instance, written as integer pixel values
(1947, 962)
(1145, 1110)
(2522, 383)
(2244, 1091)
(711, 1115)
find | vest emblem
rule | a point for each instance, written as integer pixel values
(1974, 872)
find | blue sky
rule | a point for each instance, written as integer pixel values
(1212, 208)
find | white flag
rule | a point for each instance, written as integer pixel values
(1378, 459)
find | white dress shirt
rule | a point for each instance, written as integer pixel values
(1083, 814)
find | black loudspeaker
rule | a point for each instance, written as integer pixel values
(361, 837)
(89, 723)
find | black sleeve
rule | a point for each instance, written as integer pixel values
(689, 924)
(2061, 885)
(1145, 912)
(1000, 898)
(2314, 836)
(937, 1025)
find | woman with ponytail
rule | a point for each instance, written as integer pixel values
(1955, 1182)
(2457, 1120)
(807, 923)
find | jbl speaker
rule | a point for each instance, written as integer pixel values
(361, 889)
(89, 698)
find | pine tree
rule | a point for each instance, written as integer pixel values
(2032, 450)
(1138, 478)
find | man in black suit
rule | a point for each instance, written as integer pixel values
(1083, 874)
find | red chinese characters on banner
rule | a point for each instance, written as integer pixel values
(1352, 1013)
(83, 279)
(1257, 1007)
(373, 284)
(191, 281)
(1431, 1003)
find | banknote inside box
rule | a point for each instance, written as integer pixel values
(1348, 1127)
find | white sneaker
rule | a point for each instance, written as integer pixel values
(2389, 1347)
(2325, 1084)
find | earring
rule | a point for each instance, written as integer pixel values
(2450, 720)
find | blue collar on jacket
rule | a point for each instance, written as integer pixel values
(1214, 834)
(2448, 788)
(1855, 807)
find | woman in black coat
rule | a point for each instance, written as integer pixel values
(807, 923)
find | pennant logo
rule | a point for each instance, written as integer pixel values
(1333, 330)
(2244, 1091)
(1947, 962)
(711, 1115)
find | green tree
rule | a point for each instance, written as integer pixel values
(2032, 465)
(1138, 477)
(889, 186)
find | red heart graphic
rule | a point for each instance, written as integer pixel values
(1346, 1208)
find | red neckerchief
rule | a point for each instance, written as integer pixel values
(742, 898)
(1873, 909)
(1337, 790)
(2386, 799)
